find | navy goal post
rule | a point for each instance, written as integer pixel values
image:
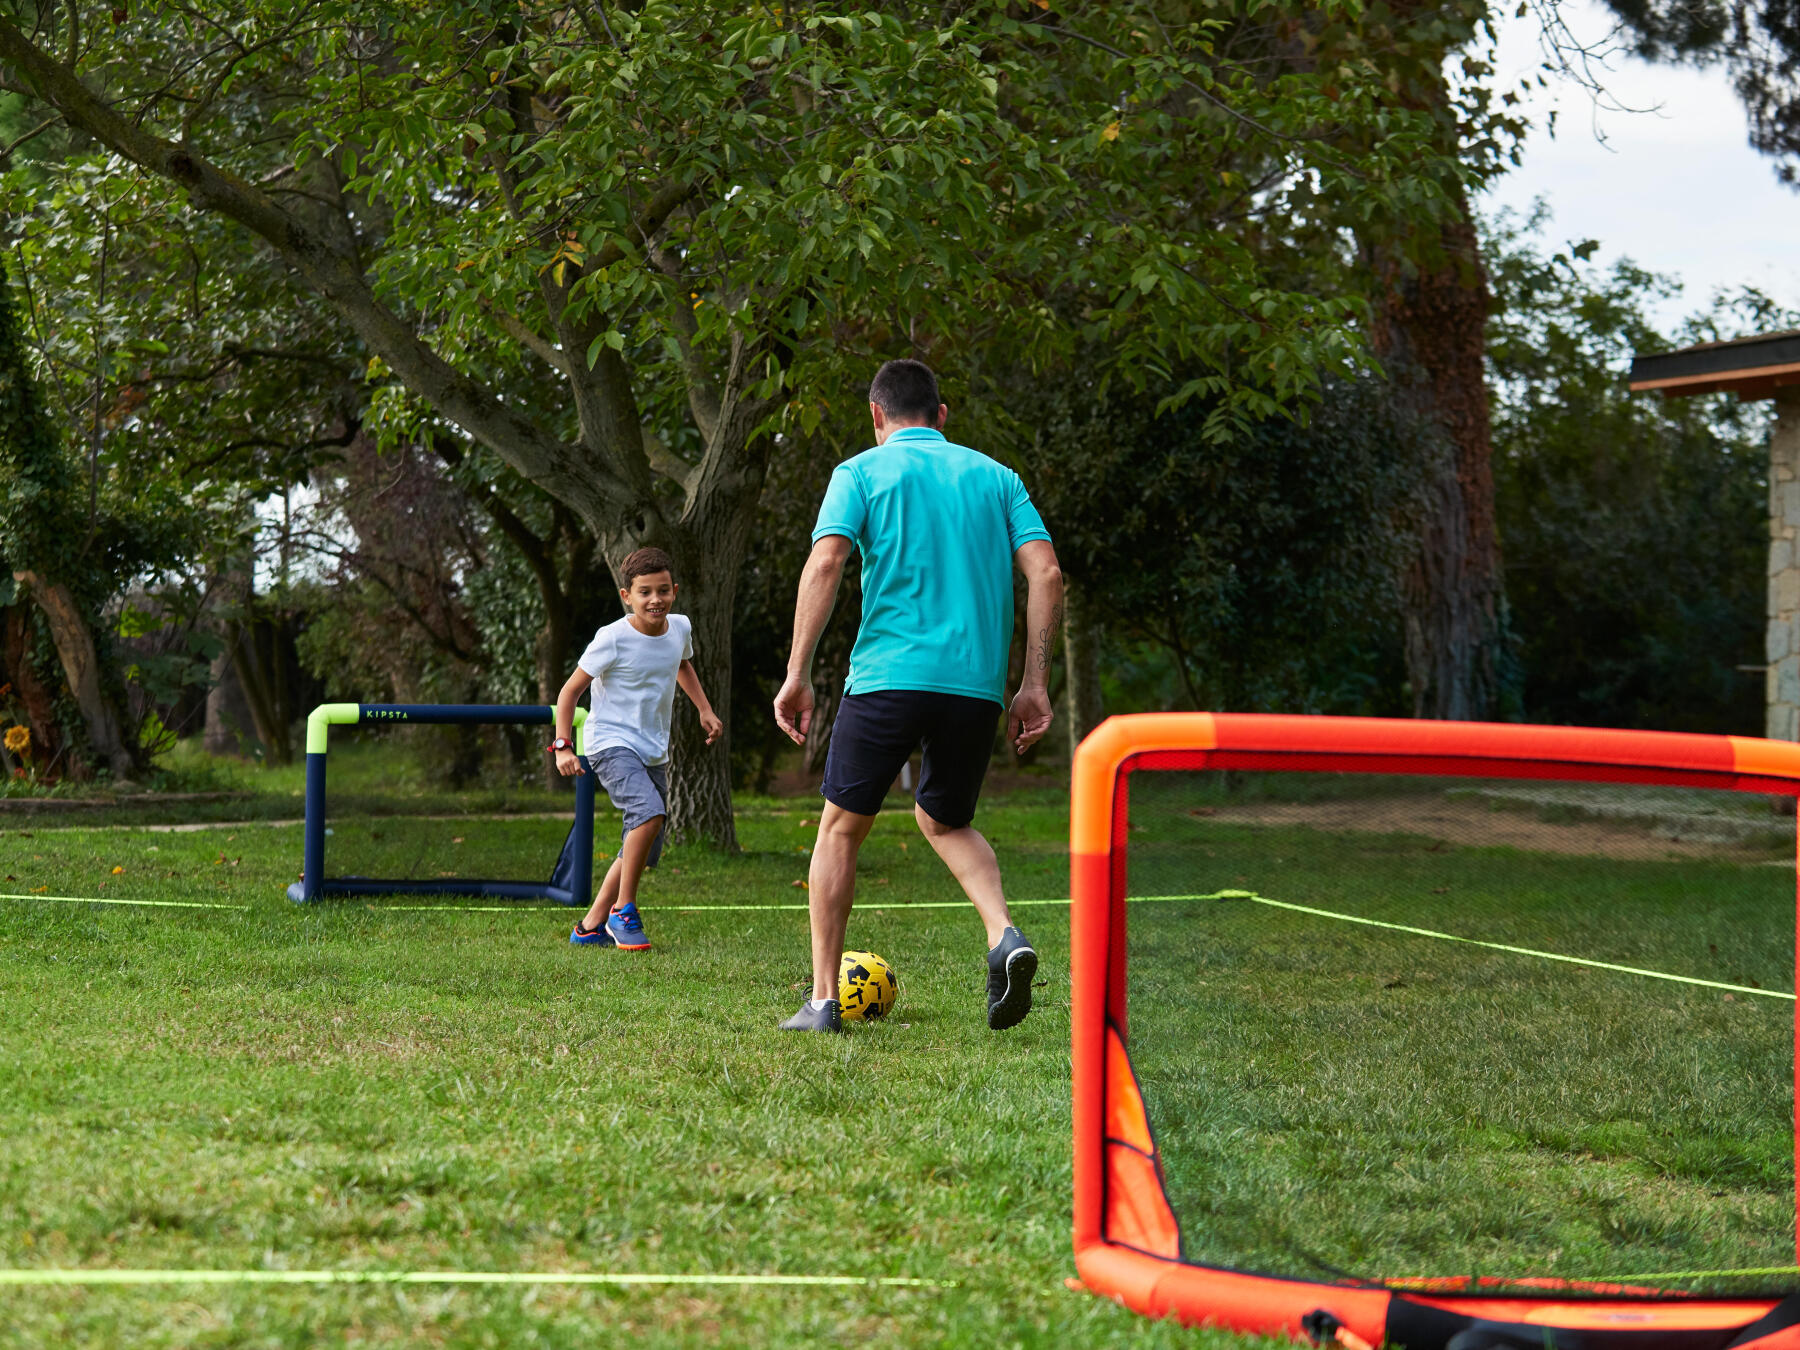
(572, 881)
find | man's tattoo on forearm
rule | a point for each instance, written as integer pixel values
(1044, 634)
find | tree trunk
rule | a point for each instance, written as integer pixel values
(700, 774)
(38, 700)
(81, 667)
(1430, 333)
(227, 713)
(1084, 707)
(261, 662)
(552, 658)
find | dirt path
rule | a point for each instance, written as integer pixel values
(1478, 824)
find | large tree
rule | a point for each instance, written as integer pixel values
(1432, 301)
(696, 221)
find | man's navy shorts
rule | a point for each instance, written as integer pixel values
(875, 734)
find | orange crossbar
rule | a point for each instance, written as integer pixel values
(1161, 1284)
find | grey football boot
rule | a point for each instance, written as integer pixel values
(1012, 964)
(810, 1018)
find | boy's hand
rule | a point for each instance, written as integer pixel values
(1028, 719)
(568, 764)
(794, 708)
(711, 725)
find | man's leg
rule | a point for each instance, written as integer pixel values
(831, 890)
(870, 739)
(970, 858)
(951, 772)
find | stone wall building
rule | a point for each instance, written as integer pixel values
(1762, 367)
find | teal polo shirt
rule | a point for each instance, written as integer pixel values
(937, 525)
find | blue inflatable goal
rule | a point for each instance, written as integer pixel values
(571, 881)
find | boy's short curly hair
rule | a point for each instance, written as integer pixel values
(642, 563)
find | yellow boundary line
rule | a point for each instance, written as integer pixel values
(121, 900)
(96, 1276)
(1750, 990)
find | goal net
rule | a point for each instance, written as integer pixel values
(1396, 1031)
(355, 854)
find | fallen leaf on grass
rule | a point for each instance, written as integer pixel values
(39, 890)
(801, 884)
(117, 871)
(457, 840)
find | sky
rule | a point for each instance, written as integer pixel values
(1675, 186)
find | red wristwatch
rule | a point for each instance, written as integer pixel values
(560, 743)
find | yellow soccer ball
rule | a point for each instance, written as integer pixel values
(866, 987)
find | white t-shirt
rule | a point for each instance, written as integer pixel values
(634, 686)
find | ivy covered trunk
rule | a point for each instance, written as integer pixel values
(1430, 332)
(81, 668)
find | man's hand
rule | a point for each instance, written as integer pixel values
(1028, 719)
(711, 725)
(568, 764)
(794, 708)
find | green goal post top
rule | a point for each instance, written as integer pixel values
(328, 715)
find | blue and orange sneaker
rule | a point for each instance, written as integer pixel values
(627, 930)
(590, 937)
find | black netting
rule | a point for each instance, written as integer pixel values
(1335, 1098)
(425, 803)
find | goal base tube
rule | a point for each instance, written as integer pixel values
(1123, 1252)
(571, 883)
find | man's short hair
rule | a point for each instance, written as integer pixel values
(642, 563)
(906, 391)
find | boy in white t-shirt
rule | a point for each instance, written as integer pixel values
(634, 665)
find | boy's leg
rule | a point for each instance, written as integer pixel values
(633, 857)
(640, 792)
(605, 896)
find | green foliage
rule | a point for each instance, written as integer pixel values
(37, 481)
(1634, 528)
(1263, 566)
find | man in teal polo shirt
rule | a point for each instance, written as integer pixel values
(940, 527)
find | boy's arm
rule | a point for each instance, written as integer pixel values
(568, 763)
(1029, 717)
(812, 607)
(689, 680)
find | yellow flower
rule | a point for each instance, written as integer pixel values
(18, 739)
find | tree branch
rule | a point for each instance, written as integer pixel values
(517, 439)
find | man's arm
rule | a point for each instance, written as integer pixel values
(568, 762)
(812, 607)
(689, 680)
(1030, 715)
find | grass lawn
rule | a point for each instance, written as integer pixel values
(357, 1085)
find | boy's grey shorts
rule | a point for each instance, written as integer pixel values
(639, 790)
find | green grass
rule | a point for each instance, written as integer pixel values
(1328, 1096)
(358, 1085)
